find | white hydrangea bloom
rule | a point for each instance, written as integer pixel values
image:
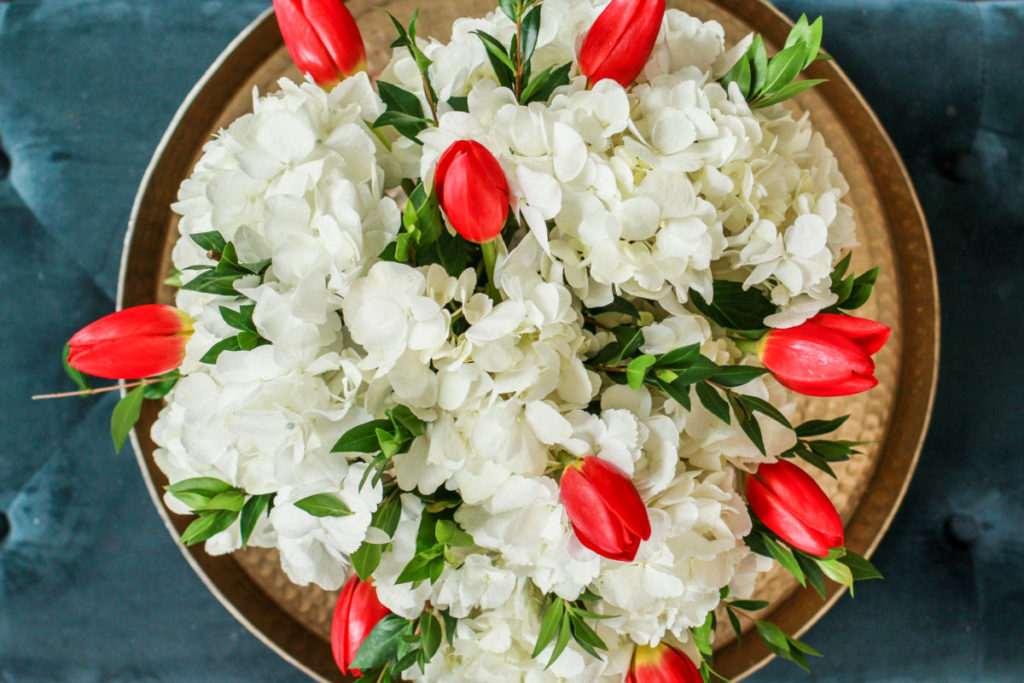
(644, 193)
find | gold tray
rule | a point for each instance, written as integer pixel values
(295, 621)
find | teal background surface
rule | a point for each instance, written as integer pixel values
(93, 589)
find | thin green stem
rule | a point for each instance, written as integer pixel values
(490, 257)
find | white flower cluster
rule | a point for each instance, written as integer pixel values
(646, 193)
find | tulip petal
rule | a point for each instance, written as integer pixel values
(339, 33)
(620, 42)
(662, 664)
(605, 510)
(817, 361)
(472, 189)
(868, 334)
(141, 341)
(791, 504)
(356, 613)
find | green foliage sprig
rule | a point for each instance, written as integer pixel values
(853, 290)
(395, 644)
(385, 437)
(763, 81)
(564, 620)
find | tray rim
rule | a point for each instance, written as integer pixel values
(746, 659)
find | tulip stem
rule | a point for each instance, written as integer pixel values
(100, 390)
(490, 256)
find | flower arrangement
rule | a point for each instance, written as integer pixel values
(503, 344)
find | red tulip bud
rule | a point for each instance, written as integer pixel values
(661, 664)
(472, 190)
(619, 43)
(357, 612)
(606, 512)
(141, 341)
(322, 38)
(792, 505)
(829, 355)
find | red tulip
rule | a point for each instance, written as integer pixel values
(606, 512)
(141, 341)
(792, 505)
(472, 190)
(322, 38)
(357, 612)
(619, 43)
(661, 664)
(829, 355)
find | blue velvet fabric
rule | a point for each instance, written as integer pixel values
(93, 589)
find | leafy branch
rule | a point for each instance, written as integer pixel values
(407, 39)
(564, 620)
(385, 437)
(764, 82)
(853, 291)
(220, 277)
(395, 644)
(822, 452)
(218, 505)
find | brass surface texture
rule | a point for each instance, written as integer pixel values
(893, 417)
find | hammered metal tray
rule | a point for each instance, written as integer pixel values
(295, 621)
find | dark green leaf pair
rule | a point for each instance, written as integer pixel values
(395, 644)
(764, 82)
(781, 645)
(564, 620)
(437, 535)
(218, 505)
(220, 278)
(404, 111)
(246, 339)
(386, 437)
(735, 308)
(853, 291)
(819, 452)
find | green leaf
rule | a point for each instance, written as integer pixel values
(585, 636)
(630, 339)
(564, 632)
(541, 86)
(833, 451)
(836, 571)
(839, 271)
(77, 376)
(459, 103)
(251, 512)
(748, 423)
(783, 68)
(749, 605)
(758, 66)
(711, 400)
(819, 427)
(126, 414)
(799, 34)
(229, 344)
(240, 319)
(788, 91)
(402, 416)
(232, 499)
(430, 634)
(812, 572)
(737, 375)
(740, 75)
(361, 439)
(863, 286)
(502, 64)
(700, 369)
(210, 241)
(549, 625)
(419, 568)
(677, 391)
(400, 119)
(450, 623)
(860, 568)
(323, 505)
(213, 282)
(530, 30)
(810, 457)
(734, 307)
(508, 8)
(160, 389)
(678, 359)
(784, 557)
(208, 487)
(637, 369)
(774, 637)
(207, 525)
(702, 635)
(802, 647)
(381, 644)
(399, 99)
(761, 406)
